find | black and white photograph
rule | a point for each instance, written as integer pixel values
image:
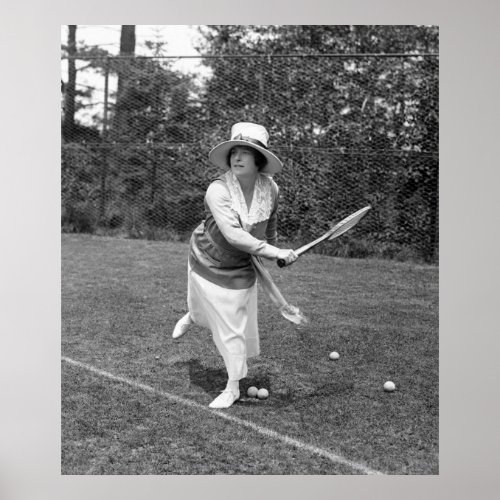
(251, 259)
(250, 250)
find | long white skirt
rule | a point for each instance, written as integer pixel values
(231, 315)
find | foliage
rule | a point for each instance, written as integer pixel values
(155, 102)
(385, 109)
(78, 190)
(372, 102)
(352, 130)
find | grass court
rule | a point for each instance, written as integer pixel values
(134, 401)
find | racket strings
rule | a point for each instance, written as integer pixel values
(349, 222)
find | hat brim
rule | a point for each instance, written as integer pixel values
(218, 156)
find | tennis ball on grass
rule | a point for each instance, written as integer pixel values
(389, 386)
(334, 355)
(263, 394)
(252, 392)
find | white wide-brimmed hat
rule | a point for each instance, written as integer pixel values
(251, 135)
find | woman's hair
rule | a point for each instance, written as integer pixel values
(260, 159)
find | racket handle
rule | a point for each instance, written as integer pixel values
(281, 262)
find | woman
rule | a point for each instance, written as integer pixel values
(241, 216)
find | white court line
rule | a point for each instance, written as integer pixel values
(338, 459)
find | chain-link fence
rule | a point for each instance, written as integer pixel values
(350, 130)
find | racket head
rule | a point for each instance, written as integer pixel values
(340, 228)
(345, 224)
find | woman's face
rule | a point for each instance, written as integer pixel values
(242, 161)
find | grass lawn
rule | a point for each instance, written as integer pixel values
(120, 301)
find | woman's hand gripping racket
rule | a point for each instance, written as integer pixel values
(340, 228)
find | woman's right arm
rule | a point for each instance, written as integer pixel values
(219, 202)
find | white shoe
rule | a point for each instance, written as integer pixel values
(225, 400)
(182, 326)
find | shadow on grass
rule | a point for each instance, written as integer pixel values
(213, 380)
(210, 380)
(309, 397)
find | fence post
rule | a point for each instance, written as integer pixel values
(152, 193)
(434, 225)
(261, 94)
(104, 165)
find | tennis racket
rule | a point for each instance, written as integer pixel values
(339, 228)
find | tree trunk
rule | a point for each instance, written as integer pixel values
(121, 161)
(127, 48)
(127, 40)
(69, 96)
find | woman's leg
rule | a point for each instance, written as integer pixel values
(231, 315)
(182, 326)
(237, 342)
(229, 339)
(228, 396)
